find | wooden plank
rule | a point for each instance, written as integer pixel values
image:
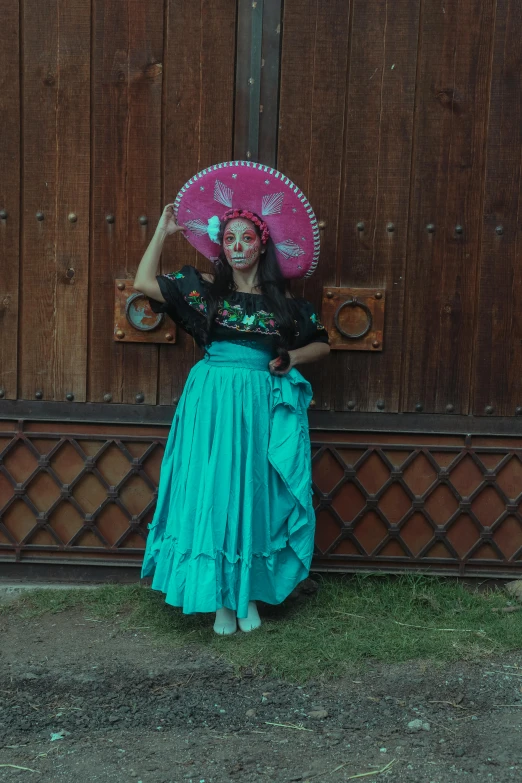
(56, 165)
(448, 174)
(498, 347)
(313, 88)
(271, 66)
(268, 89)
(243, 87)
(296, 103)
(9, 198)
(198, 132)
(143, 171)
(127, 69)
(376, 181)
(108, 240)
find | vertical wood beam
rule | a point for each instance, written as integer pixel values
(56, 172)
(9, 198)
(257, 80)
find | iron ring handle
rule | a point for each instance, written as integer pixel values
(353, 303)
(128, 305)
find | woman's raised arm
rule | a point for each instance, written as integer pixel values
(145, 279)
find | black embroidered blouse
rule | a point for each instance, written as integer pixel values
(241, 316)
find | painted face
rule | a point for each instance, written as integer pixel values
(241, 244)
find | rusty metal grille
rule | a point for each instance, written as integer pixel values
(84, 496)
(397, 502)
(84, 493)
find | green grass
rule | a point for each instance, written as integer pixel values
(347, 622)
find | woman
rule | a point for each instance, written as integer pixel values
(234, 521)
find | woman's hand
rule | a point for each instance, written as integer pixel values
(283, 363)
(167, 222)
(288, 359)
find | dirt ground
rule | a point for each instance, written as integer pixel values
(82, 702)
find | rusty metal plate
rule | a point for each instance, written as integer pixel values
(134, 320)
(354, 318)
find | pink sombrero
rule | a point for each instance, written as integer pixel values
(251, 186)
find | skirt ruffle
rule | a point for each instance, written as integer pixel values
(234, 519)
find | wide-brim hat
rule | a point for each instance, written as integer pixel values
(257, 188)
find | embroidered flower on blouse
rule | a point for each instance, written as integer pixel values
(315, 320)
(175, 275)
(235, 317)
(196, 301)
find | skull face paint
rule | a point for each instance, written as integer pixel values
(241, 244)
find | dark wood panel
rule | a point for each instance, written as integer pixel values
(271, 65)
(56, 164)
(218, 45)
(448, 174)
(498, 347)
(198, 132)
(296, 103)
(127, 70)
(243, 87)
(9, 197)
(257, 77)
(313, 88)
(376, 183)
(140, 368)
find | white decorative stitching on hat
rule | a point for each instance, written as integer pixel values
(272, 204)
(223, 194)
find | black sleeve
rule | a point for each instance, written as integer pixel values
(311, 330)
(184, 294)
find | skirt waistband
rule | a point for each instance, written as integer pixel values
(240, 355)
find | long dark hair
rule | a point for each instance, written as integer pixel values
(271, 284)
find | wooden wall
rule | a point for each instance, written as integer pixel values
(405, 117)
(401, 121)
(111, 105)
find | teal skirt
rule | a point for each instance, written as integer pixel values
(234, 519)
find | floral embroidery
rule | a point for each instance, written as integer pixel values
(315, 320)
(175, 275)
(196, 301)
(234, 317)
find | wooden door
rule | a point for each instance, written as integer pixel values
(401, 123)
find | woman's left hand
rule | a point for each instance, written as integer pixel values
(282, 364)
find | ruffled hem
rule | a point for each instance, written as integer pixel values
(203, 583)
(168, 542)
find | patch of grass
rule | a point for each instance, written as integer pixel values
(392, 619)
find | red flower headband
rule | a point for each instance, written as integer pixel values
(230, 214)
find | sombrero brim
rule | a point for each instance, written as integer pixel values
(252, 186)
